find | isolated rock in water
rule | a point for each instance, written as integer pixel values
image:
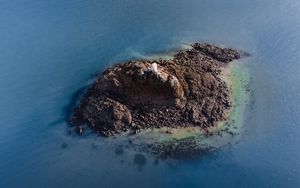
(182, 92)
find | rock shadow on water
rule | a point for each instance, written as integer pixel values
(64, 145)
(140, 160)
(119, 150)
(74, 101)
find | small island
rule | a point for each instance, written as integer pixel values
(188, 90)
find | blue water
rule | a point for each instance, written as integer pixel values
(51, 49)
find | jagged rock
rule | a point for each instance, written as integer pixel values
(107, 115)
(184, 91)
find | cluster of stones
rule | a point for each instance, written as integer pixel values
(186, 91)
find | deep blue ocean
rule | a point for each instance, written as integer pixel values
(51, 49)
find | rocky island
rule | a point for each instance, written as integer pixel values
(185, 91)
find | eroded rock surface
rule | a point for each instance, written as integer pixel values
(184, 91)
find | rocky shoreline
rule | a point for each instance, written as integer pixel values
(185, 91)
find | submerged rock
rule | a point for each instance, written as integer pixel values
(186, 91)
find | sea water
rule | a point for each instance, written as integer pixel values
(50, 50)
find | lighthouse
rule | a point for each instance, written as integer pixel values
(154, 68)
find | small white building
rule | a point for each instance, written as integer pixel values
(154, 68)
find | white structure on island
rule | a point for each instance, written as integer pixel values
(154, 68)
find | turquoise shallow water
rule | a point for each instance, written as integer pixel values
(49, 50)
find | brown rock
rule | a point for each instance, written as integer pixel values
(184, 91)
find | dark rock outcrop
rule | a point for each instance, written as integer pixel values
(183, 92)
